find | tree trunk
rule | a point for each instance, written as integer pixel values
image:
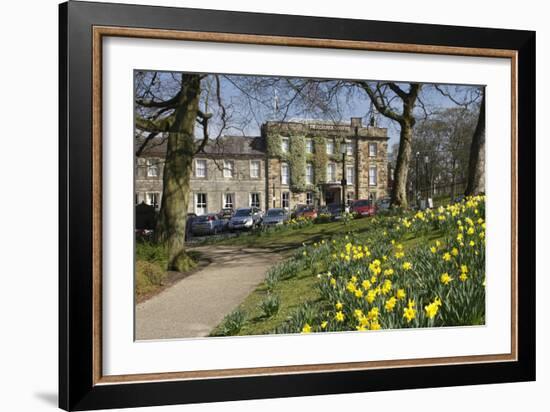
(177, 171)
(476, 164)
(399, 190)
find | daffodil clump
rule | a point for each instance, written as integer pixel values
(419, 269)
(298, 222)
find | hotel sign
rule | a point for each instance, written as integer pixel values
(329, 127)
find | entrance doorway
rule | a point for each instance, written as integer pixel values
(333, 196)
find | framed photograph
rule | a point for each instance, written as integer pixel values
(256, 206)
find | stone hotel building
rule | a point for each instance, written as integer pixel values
(291, 163)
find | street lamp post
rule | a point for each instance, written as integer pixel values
(417, 181)
(427, 176)
(343, 150)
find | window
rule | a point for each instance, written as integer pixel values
(285, 172)
(309, 174)
(153, 199)
(309, 145)
(350, 175)
(228, 200)
(330, 146)
(200, 203)
(373, 149)
(285, 199)
(309, 198)
(141, 167)
(200, 168)
(137, 198)
(349, 148)
(331, 172)
(285, 144)
(255, 200)
(152, 168)
(254, 169)
(228, 168)
(372, 176)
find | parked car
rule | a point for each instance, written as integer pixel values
(363, 207)
(308, 212)
(209, 224)
(383, 204)
(188, 224)
(297, 211)
(334, 210)
(245, 218)
(226, 213)
(275, 216)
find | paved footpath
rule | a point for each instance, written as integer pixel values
(195, 305)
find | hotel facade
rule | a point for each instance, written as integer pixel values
(290, 163)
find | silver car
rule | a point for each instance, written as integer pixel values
(209, 224)
(245, 218)
(275, 216)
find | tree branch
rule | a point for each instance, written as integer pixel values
(378, 103)
(154, 126)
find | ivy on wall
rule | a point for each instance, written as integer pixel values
(274, 146)
(297, 158)
(320, 160)
(297, 162)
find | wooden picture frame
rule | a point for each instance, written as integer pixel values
(82, 385)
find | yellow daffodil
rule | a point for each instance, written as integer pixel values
(409, 312)
(375, 326)
(401, 294)
(371, 295)
(390, 304)
(432, 308)
(445, 278)
(306, 328)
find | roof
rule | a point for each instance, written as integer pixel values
(225, 145)
(237, 145)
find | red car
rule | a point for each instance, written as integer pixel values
(363, 207)
(308, 213)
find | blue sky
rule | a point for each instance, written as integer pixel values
(251, 100)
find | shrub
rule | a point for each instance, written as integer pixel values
(306, 314)
(289, 268)
(149, 276)
(347, 217)
(323, 218)
(271, 279)
(232, 323)
(270, 305)
(152, 252)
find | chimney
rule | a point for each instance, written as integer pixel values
(356, 122)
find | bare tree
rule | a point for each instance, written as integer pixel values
(168, 107)
(379, 93)
(476, 165)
